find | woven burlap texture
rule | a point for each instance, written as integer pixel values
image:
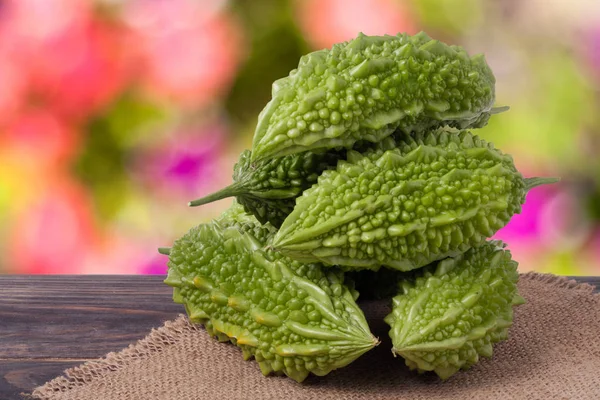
(553, 353)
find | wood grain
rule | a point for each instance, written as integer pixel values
(21, 376)
(53, 322)
(79, 316)
(50, 323)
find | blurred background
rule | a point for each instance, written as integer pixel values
(114, 113)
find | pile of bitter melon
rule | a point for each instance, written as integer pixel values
(361, 161)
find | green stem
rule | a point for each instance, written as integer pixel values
(232, 190)
(498, 110)
(530, 183)
(164, 250)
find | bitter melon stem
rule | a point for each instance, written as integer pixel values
(234, 189)
(498, 110)
(165, 250)
(530, 183)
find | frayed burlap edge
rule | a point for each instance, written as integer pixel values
(166, 335)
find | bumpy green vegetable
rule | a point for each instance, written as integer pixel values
(268, 188)
(366, 88)
(237, 217)
(435, 196)
(293, 318)
(455, 311)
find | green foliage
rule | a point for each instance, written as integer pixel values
(553, 110)
(433, 196)
(111, 136)
(268, 188)
(455, 310)
(274, 45)
(452, 17)
(366, 88)
(293, 318)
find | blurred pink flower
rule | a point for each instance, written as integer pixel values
(38, 20)
(56, 231)
(191, 49)
(593, 49)
(156, 265)
(564, 222)
(39, 138)
(530, 255)
(95, 78)
(14, 85)
(522, 234)
(326, 22)
(188, 164)
(551, 220)
(526, 225)
(117, 253)
(72, 61)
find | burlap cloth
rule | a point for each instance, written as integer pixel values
(553, 353)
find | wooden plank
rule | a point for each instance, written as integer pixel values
(22, 376)
(79, 316)
(592, 280)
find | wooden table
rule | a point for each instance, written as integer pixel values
(53, 322)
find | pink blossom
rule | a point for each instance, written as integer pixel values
(551, 216)
(529, 253)
(36, 21)
(522, 233)
(552, 222)
(40, 138)
(72, 62)
(14, 87)
(94, 78)
(188, 164)
(191, 49)
(526, 225)
(56, 231)
(117, 252)
(593, 49)
(326, 22)
(156, 265)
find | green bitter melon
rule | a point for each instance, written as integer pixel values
(293, 318)
(454, 312)
(237, 217)
(268, 188)
(433, 196)
(368, 87)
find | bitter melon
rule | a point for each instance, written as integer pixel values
(268, 188)
(455, 310)
(293, 318)
(434, 196)
(366, 88)
(237, 217)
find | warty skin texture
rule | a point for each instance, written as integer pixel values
(368, 87)
(430, 196)
(293, 318)
(268, 188)
(455, 310)
(237, 217)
